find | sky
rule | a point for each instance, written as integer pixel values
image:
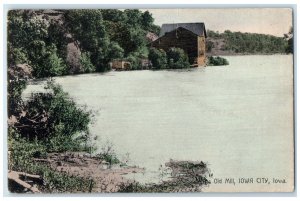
(274, 21)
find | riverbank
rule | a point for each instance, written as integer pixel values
(106, 178)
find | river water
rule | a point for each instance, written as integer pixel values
(237, 118)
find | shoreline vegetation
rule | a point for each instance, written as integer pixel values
(50, 147)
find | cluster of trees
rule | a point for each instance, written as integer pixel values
(250, 43)
(100, 35)
(73, 41)
(36, 42)
(217, 61)
(174, 58)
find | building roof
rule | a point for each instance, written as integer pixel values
(196, 28)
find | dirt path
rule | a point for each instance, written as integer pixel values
(107, 177)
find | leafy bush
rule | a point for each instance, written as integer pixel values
(54, 119)
(14, 91)
(53, 65)
(86, 63)
(115, 51)
(177, 58)
(16, 55)
(135, 58)
(108, 154)
(22, 151)
(217, 61)
(134, 61)
(158, 58)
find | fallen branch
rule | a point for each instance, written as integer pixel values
(15, 176)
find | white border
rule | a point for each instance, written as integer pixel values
(145, 4)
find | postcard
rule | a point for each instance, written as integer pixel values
(150, 100)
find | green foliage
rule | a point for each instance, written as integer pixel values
(130, 29)
(113, 15)
(158, 58)
(16, 55)
(135, 58)
(62, 182)
(21, 157)
(133, 16)
(108, 154)
(14, 91)
(289, 37)
(22, 151)
(250, 43)
(52, 123)
(135, 62)
(53, 66)
(88, 28)
(128, 37)
(115, 51)
(34, 40)
(217, 61)
(24, 28)
(54, 119)
(177, 58)
(86, 63)
(110, 158)
(105, 34)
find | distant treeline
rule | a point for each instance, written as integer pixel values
(250, 43)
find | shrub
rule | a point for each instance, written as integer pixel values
(134, 61)
(54, 119)
(14, 91)
(16, 55)
(177, 58)
(217, 61)
(22, 151)
(158, 58)
(108, 154)
(54, 65)
(86, 63)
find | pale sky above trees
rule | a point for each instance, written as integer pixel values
(274, 21)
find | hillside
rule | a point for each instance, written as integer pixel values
(61, 42)
(236, 43)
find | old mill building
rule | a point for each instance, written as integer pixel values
(188, 36)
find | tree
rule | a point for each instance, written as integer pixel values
(158, 58)
(113, 15)
(133, 17)
(29, 41)
(177, 58)
(47, 63)
(86, 64)
(115, 51)
(14, 99)
(147, 20)
(290, 40)
(88, 28)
